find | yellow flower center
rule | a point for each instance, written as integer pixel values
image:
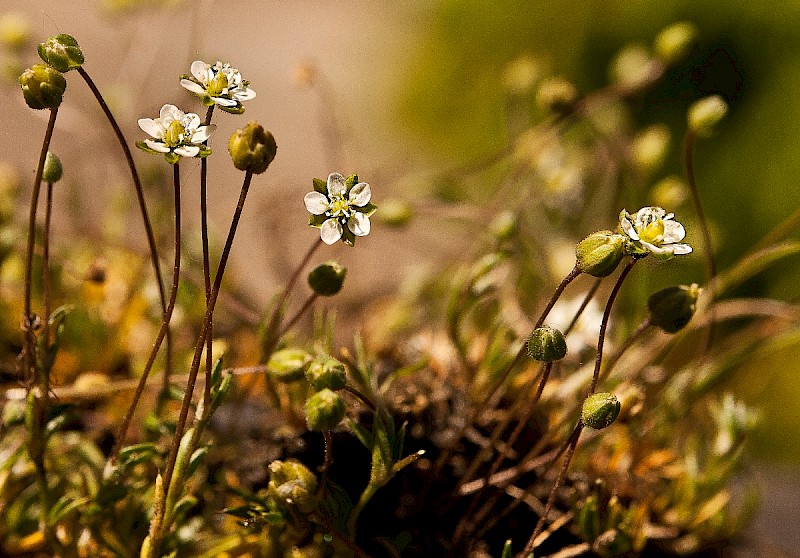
(217, 85)
(652, 233)
(175, 134)
(339, 206)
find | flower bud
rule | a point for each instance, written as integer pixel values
(396, 213)
(674, 43)
(650, 147)
(600, 410)
(52, 168)
(14, 30)
(42, 86)
(61, 52)
(252, 148)
(673, 307)
(632, 68)
(599, 253)
(705, 114)
(324, 410)
(327, 279)
(288, 365)
(557, 95)
(547, 344)
(292, 484)
(330, 374)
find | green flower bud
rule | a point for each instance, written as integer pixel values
(330, 374)
(670, 191)
(600, 410)
(327, 279)
(292, 484)
(673, 307)
(599, 253)
(52, 168)
(42, 86)
(61, 52)
(547, 344)
(650, 147)
(288, 365)
(674, 43)
(632, 67)
(557, 95)
(14, 30)
(324, 410)
(252, 148)
(396, 213)
(705, 114)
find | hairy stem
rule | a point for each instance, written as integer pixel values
(206, 262)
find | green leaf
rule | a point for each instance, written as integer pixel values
(63, 507)
(143, 146)
(335, 505)
(204, 152)
(368, 209)
(361, 433)
(137, 453)
(321, 186)
(507, 550)
(752, 265)
(399, 441)
(348, 237)
(183, 507)
(381, 453)
(317, 220)
(216, 373)
(351, 181)
(195, 460)
(238, 109)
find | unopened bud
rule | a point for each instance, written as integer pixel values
(705, 114)
(61, 52)
(557, 95)
(42, 86)
(252, 148)
(650, 147)
(547, 344)
(324, 410)
(14, 30)
(599, 253)
(600, 410)
(396, 213)
(672, 308)
(288, 365)
(292, 484)
(52, 168)
(675, 42)
(632, 68)
(327, 279)
(330, 374)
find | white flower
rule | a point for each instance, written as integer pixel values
(340, 208)
(175, 134)
(652, 231)
(218, 84)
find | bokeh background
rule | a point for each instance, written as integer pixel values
(403, 87)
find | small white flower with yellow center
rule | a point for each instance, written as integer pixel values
(218, 84)
(653, 231)
(340, 208)
(176, 134)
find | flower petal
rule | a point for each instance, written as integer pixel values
(330, 231)
(628, 228)
(681, 249)
(673, 232)
(244, 94)
(159, 146)
(358, 224)
(316, 203)
(170, 112)
(336, 184)
(360, 194)
(199, 70)
(195, 88)
(203, 133)
(151, 128)
(656, 249)
(225, 102)
(187, 150)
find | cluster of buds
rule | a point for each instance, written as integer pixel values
(43, 85)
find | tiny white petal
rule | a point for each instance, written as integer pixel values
(203, 133)
(358, 224)
(170, 112)
(225, 102)
(336, 184)
(627, 228)
(673, 232)
(187, 151)
(656, 249)
(191, 121)
(199, 70)
(330, 231)
(681, 249)
(245, 94)
(151, 128)
(161, 147)
(195, 88)
(316, 203)
(360, 194)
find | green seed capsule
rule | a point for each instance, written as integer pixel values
(61, 52)
(324, 410)
(42, 86)
(330, 374)
(600, 410)
(252, 148)
(288, 365)
(327, 279)
(599, 253)
(706, 114)
(292, 484)
(672, 308)
(547, 344)
(52, 168)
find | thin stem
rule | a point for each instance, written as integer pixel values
(361, 397)
(277, 312)
(162, 331)
(46, 267)
(29, 350)
(206, 262)
(604, 324)
(571, 445)
(151, 239)
(198, 350)
(632, 338)
(328, 437)
(299, 314)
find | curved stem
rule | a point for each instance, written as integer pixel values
(151, 239)
(299, 314)
(632, 338)
(46, 276)
(162, 332)
(598, 361)
(29, 350)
